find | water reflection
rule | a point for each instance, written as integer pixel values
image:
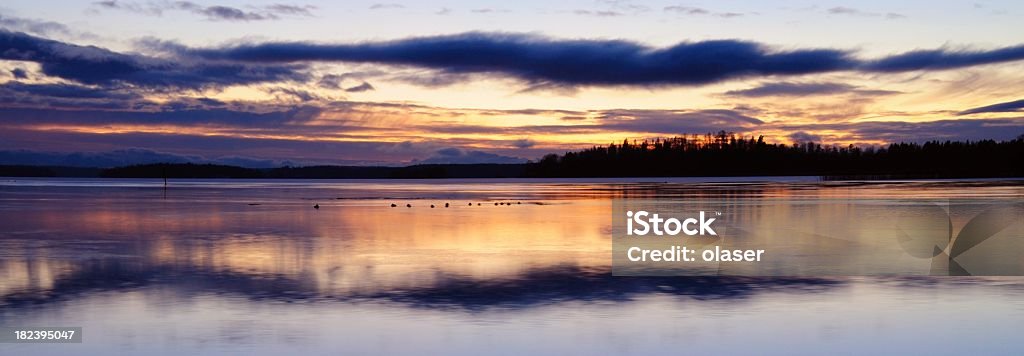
(65, 243)
(359, 246)
(545, 286)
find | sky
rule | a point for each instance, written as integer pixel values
(260, 84)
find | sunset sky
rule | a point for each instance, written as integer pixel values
(391, 83)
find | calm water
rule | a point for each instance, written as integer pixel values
(250, 267)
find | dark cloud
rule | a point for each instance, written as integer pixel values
(212, 12)
(330, 81)
(804, 89)
(444, 60)
(454, 155)
(1010, 106)
(360, 88)
(943, 59)
(60, 90)
(542, 60)
(97, 66)
(19, 73)
(801, 137)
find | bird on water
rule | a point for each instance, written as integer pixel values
(316, 206)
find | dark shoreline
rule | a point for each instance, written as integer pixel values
(439, 171)
(720, 155)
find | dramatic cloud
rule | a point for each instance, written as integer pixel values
(804, 89)
(1010, 106)
(540, 60)
(214, 12)
(98, 66)
(943, 59)
(360, 88)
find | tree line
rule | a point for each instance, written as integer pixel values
(726, 154)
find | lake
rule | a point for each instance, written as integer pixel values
(249, 266)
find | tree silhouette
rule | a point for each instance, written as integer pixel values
(725, 154)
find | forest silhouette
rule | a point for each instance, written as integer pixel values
(726, 154)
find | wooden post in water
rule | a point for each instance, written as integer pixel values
(163, 172)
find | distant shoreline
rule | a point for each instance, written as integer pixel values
(431, 172)
(719, 155)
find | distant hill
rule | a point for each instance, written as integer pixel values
(189, 170)
(47, 171)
